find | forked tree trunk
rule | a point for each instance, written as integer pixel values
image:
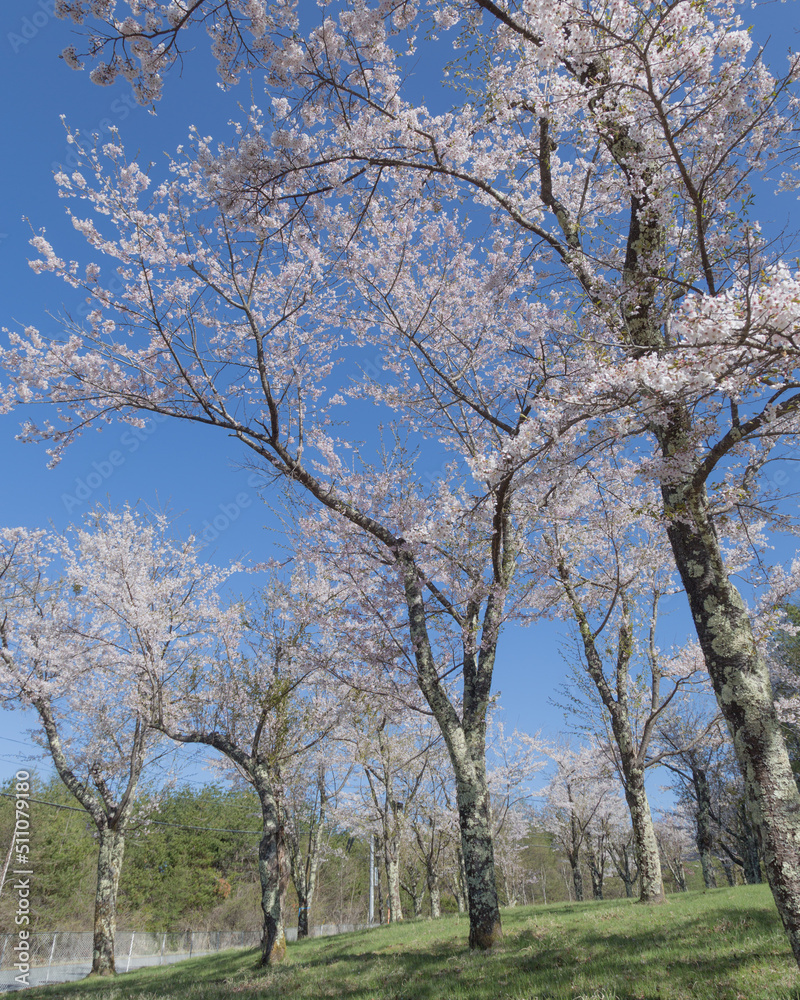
(511, 896)
(678, 873)
(271, 871)
(416, 891)
(622, 864)
(109, 867)
(744, 693)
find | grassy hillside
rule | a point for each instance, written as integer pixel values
(721, 945)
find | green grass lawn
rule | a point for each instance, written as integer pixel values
(726, 944)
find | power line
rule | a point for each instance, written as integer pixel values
(158, 822)
(24, 743)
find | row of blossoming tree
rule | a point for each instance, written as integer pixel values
(131, 647)
(578, 318)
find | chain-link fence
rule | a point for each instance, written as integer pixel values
(62, 956)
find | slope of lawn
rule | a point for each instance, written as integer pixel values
(726, 944)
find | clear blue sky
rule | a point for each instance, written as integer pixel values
(190, 469)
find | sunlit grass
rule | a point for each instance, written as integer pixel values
(727, 944)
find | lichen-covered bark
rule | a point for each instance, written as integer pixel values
(465, 733)
(742, 686)
(730, 873)
(109, 813)
(395, 906)
(478, 852)
(460, 881)
(109, 867)
(645, 846)
(272, 863)
(271, 870)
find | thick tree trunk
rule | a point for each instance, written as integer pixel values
(434, 895)
(394, 913)
(596, 873)
(303, 904)
(477, 851)
(742, 685)
(271, 871)
(379, 893)
(645, 846)
(577, 879)
(109, 866)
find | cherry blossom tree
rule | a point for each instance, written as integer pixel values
(695, 742)
(252, 701)
(611, 572)
(395, 757)
(311, 785)
(433, 824)
(514, 758)
(81, 649)
(613, 269)
(575, 798)
(674, 835)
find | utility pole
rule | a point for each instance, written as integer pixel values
(371, 878)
